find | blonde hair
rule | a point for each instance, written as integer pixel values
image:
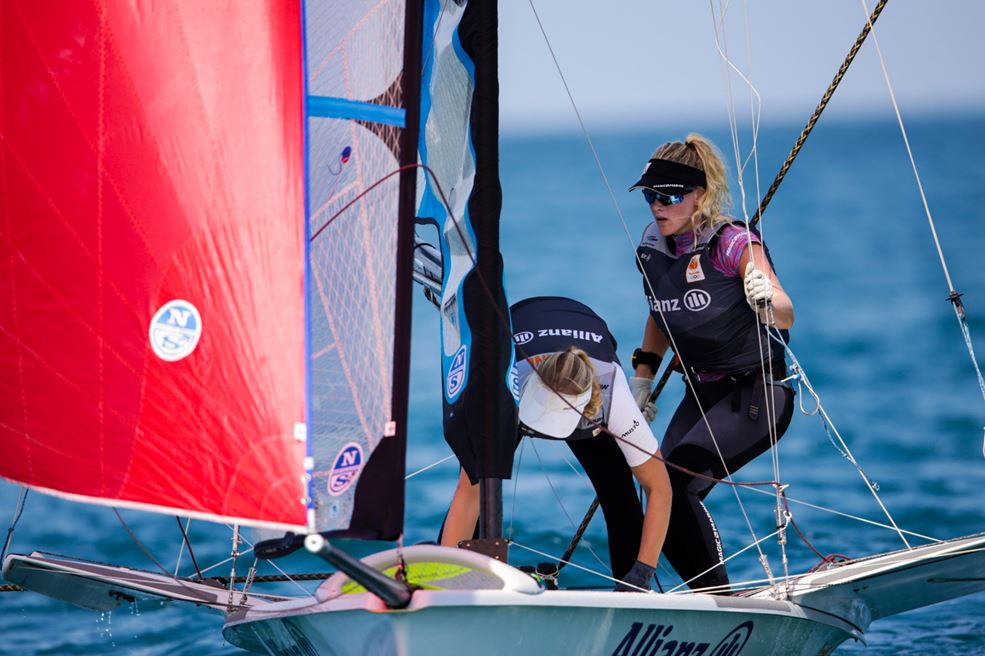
(698, 152)
(571, 372)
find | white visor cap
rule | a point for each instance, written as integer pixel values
(547, 411)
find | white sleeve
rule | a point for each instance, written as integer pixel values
(626, 422)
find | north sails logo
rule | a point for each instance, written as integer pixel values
(456, 372)
(175, 330)
(657, 639)
(348, 464)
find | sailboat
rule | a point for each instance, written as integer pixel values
(213, 279)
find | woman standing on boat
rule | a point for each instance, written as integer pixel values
(577, 390)
(712, 292)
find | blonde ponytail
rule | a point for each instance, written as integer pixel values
(698, 152)
(571, 372)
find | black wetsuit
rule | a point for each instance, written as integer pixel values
(716, 333)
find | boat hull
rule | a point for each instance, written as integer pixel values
(553, 622)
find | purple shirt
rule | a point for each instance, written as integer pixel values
(725, 258)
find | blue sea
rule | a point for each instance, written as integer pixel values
(874, 332)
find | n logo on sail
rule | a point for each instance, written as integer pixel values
(175, 330)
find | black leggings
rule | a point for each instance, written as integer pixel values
(737, 414)
(613, 481)
(605, 464)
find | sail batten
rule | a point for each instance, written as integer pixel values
(327, 107)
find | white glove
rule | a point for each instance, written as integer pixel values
(759, 289)
(641, 388)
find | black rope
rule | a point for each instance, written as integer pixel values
(272, 578)
(136, 540)
(188, 543)
(817, 112)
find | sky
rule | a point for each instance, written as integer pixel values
(646, 61)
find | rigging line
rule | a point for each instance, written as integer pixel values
(585, 521)
(181, 551)
(431, 466)
(516, 482)
(756, 113)
(817, 112)
(571, 465)
(559, 503)
(953, 296)
(18, 511)
(847, 515)
(654, 395)
(622, 220)
(756, 544)
(191, 552)
(573, 564)
(136, 540)
(289, 577)
(846, 451)
(504, 322)
(756, 106)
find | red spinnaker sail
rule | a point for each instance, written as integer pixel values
(152, 254)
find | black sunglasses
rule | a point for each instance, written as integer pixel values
(652, 196)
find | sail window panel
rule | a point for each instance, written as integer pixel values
(355, 49)
(352, 293)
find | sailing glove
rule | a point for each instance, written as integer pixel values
(638, 579)
(759, 289)
(640, 387)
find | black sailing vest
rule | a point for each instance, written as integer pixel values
(543, 325)
(714, 328)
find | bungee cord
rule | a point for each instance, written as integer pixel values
(953, 295)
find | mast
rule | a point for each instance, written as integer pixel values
(480, 40)
(462, 197)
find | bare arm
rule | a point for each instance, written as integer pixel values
(652, 476)
(782, 305)
(462, 514)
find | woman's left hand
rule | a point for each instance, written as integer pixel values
(759, 289)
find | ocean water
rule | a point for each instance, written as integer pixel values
(873, 332)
